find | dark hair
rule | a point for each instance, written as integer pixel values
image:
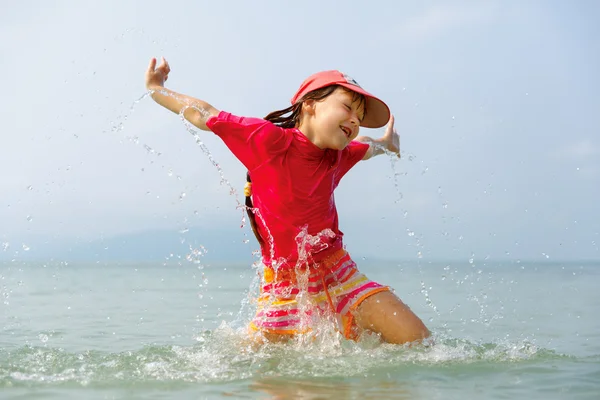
(290, 118)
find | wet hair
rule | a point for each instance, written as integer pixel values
(290, 118)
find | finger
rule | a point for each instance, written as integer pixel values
(389, 128)
(165, 64)
(152, 64)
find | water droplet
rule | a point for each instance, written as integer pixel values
(29, 219)
(182, 196)
(25, 247)
(29, 187)
(43, 337)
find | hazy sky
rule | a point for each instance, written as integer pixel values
(497, 104)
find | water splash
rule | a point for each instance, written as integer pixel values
(5, 291)
(223, 180)
(417, 238)
(308, 244)
(191, 129)
(247, 304)
(225, 355)
(119, 123)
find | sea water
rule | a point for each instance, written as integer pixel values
(131, 330)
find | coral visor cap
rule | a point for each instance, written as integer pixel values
(377, 112)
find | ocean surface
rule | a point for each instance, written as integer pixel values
(502, 330)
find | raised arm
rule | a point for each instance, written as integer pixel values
(194, 110)
(389, 141)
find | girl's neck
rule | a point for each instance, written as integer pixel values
(307, 131)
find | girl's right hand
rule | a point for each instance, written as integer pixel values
(157, 76)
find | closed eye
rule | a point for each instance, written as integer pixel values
(360, 118)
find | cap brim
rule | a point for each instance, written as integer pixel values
(377, 112)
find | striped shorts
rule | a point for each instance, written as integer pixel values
(292, 302)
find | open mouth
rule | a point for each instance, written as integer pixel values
(347, 131)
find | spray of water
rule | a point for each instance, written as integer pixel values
(417, 239)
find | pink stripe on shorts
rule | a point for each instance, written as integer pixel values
(335, 288)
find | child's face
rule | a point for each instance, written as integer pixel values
(336, 119)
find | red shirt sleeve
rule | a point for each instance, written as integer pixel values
(253, 141)
(352, 154)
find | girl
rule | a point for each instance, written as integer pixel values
(295, 159)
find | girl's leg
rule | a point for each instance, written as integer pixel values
(276, 338)
(387, 315)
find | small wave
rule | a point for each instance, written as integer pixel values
(226, 355)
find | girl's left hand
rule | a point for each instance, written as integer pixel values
(391, 139)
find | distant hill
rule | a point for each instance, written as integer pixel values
(159, 245)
